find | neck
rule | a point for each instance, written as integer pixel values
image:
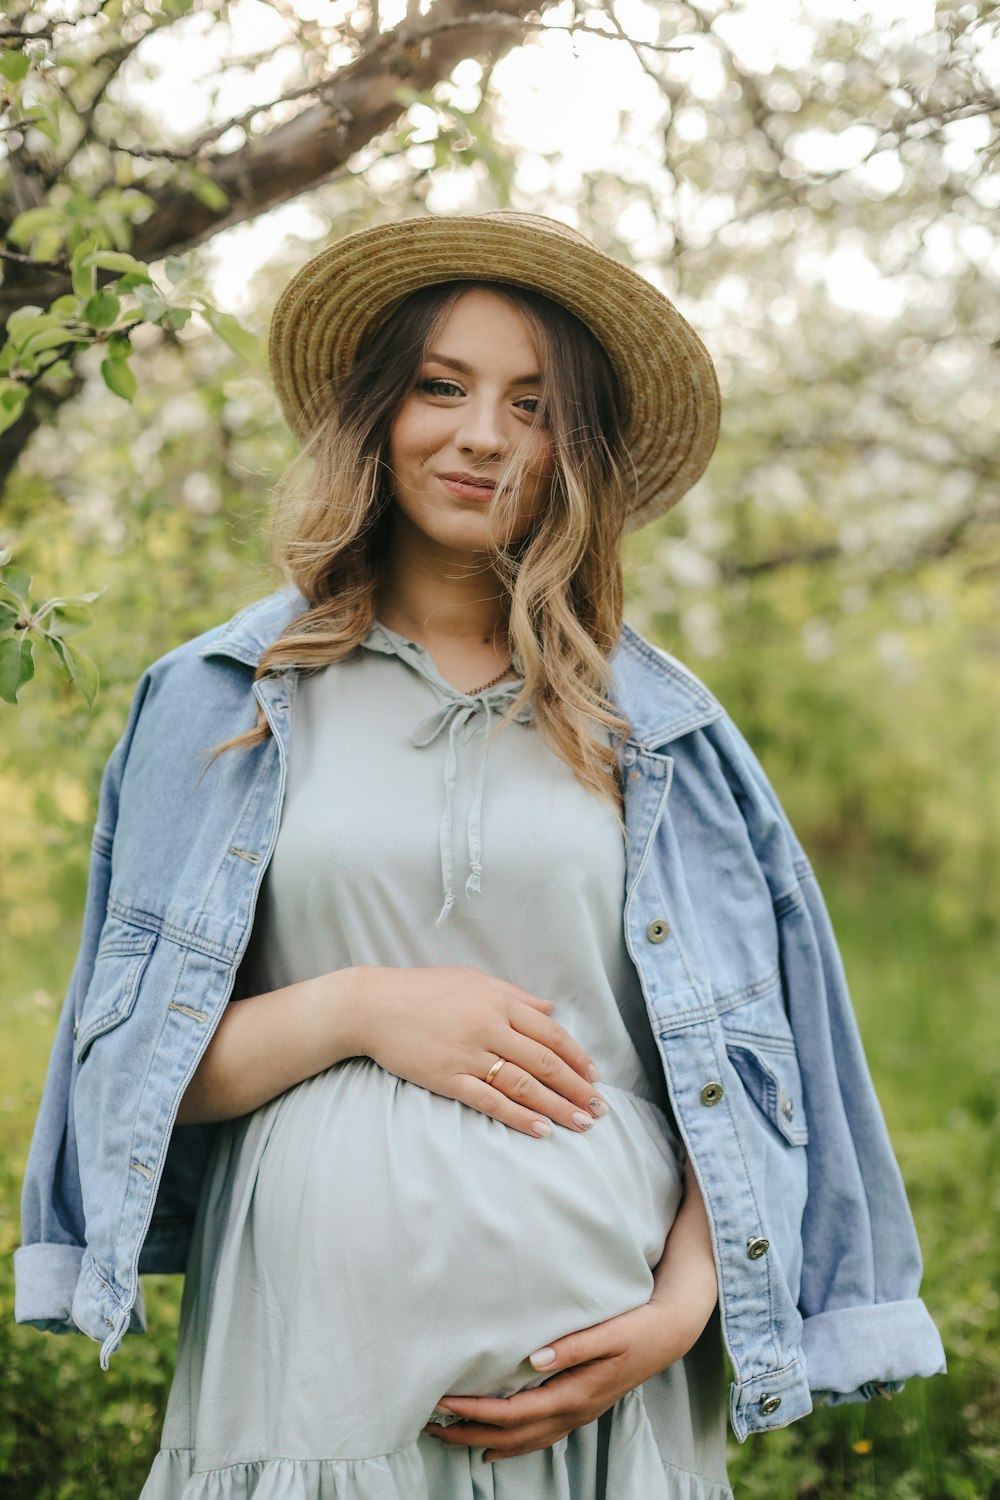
(438, 594)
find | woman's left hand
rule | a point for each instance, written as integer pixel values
(594, 1368)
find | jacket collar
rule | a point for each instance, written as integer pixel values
(660, 697)
(248, 634)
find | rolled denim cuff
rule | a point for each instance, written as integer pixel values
(45, 1278)
(856, 1352)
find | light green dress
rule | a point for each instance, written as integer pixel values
(363, 1246)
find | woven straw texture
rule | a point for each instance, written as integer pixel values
(340, 297)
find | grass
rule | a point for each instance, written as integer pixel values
(923, 992)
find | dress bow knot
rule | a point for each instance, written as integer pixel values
(462, 718)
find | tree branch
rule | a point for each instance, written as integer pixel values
(409, 35)
(32, 260)
(623, 36)
(358, 103)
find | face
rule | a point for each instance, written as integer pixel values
(473, 404)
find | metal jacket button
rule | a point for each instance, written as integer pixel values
(658, 930)
(757, 1248)
(712, 1093)
(769, 1404)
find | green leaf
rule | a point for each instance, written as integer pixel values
(48, 128)
(117, 260)
(26, 328)
(119, 345)
(66, 307)
(119, 231)
(208, 191)
(49, 243)
(66, 617)
(151, 304)
(242, 342)
(65, 601)
(119, 377)
(51, 338)
(82, 670)
(22, 320)
(101, 310)
(33, 222)
(83, 273)
(176, 317)
(14, 65)
(16, 665)
(57, 372)
(8, 614)
(18, 583)
(73, 611)
(131, 280)
(13, 395)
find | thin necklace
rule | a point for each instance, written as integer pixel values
(492, 682)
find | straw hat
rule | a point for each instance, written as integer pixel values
(341, 297)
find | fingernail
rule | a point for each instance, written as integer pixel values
(541, 1127)
(584, 1121)
(598, 1107)
(593, 1073)
(542, 1357)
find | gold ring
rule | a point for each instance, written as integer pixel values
(494, 1070)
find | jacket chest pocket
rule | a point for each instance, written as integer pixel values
(769, 1073)
(123, 952)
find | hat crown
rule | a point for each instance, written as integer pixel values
(536, 221)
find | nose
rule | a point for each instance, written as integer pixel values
(482, 429)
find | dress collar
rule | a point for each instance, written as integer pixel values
(461, 716)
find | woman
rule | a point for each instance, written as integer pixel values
(423, 806)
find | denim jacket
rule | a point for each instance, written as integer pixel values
(817, 1258)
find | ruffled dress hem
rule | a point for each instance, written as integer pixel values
(397, 1476)
(426, 1470)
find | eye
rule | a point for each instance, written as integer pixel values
(531, 404)
(438, 386)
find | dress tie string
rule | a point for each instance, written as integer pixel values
(462, 717)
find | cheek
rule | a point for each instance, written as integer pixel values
(541, 466)
(406, 438)
(415, 434)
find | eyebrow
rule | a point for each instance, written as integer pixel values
(464, 369)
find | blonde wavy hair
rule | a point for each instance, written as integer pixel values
(561, 583)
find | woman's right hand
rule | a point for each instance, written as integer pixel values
(444, 1028)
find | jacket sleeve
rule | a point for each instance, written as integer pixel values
(53, 1231)
(865, 1328)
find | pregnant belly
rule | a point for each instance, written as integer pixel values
(393, 1235)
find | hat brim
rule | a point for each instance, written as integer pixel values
(339, 298)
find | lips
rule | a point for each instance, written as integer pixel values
(468, 486)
